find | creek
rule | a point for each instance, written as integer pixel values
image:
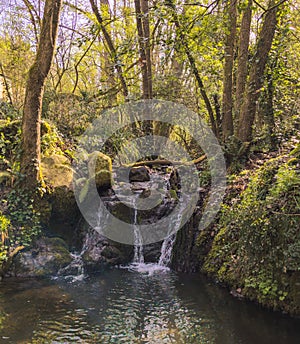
(127, 306)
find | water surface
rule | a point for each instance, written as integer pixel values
(122, 306)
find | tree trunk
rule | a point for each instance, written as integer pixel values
(227, 102)
(257, 69)
(243, 51)
(31, 124)
(111, 48)
(147, 42)
(143, 28)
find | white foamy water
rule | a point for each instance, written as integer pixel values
(146, 268)
(73, 272)
(138, 240)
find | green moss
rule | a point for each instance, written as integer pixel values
(57, 171)
(99, 162)
(103, 179)
(258, 243)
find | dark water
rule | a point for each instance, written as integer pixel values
(127, 307)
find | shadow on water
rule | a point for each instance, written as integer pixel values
(123, 306)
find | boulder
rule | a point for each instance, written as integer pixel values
(100, 168)
(45, 258)
(139, 174)
(152, 252)
(56, 169)
(62, 206)
(100, 252)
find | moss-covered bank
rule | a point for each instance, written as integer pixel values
(256, 249)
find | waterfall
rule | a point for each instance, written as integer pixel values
(166, 250)
(75, 270)
(168, 243)
(138, 241)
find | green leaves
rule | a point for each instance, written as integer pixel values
(258, 243)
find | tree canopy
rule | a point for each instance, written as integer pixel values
(234, 62)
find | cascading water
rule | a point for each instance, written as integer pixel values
(166, 250)
(138, 240)
(75, 270)
(164, 260)
(168, 243)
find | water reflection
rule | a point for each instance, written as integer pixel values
(127, 307)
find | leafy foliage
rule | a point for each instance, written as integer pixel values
(257, 247)
(19, 226)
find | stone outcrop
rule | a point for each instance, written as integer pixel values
(45, 258)
(139, 174)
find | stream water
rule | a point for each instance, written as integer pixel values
(121, 306)
(138, 303)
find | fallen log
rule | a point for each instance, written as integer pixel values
(159, 162)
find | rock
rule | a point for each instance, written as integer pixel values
(152, 252)
(139, 174)
(103, 179)
(237, 293)
(120, 210)
(139, 186)
(100, 168)
(45, 258)
(100, 252)
(84, 187)
(57, 171)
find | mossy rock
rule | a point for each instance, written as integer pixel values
(99, 162)
(100, 173)
(174, 195)
(257, 246)
(56, 169)
(84, 189)
(64, 206)
(295, 292)
(103, 179)
(112, 254)
(45, 258)
(121, 211)
(44, 208)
